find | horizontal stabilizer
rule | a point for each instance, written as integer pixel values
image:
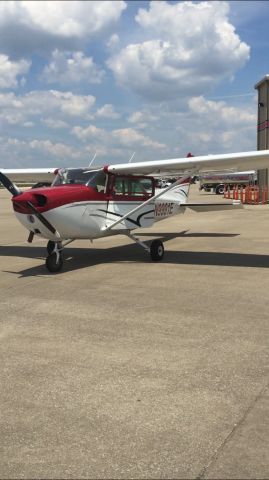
(213, 207)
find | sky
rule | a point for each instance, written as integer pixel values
(116, 80)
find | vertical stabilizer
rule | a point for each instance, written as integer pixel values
(178, 194)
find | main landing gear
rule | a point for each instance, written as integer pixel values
(156, 249)
(54, 260)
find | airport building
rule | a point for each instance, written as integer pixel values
(263, 125)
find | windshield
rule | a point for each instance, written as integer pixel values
(79, 176)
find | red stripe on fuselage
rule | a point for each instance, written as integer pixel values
(45, 199)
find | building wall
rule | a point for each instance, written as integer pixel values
(263, 125)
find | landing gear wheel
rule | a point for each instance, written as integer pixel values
(54, 262)
(156, 250)
(50, 247)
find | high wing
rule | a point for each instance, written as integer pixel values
(30, 175)
(202, 164)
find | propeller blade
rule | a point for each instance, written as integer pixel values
(43, 220)
(11, 187)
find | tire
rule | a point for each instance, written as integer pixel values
(50, 247)
(220, 190)
(156, 250)
(51, 263)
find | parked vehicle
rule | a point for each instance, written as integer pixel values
(217, 182)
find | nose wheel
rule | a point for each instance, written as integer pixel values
(50, 246)
(54, 261)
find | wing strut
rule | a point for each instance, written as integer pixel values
(136, 209)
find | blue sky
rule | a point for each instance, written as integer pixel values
(160, 79)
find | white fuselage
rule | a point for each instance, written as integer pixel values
(89, 219)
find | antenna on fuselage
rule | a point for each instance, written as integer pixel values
(92, 160)
(131, 157)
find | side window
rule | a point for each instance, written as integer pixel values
(133, 187)
(121, 186)
(147, 185)
(141, 187)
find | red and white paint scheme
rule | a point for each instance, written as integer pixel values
(84, 203)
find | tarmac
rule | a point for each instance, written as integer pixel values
(122, 368)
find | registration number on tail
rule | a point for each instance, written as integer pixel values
(163, 209)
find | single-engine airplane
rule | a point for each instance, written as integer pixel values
(85, 203)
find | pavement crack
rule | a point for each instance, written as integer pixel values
(236, 426)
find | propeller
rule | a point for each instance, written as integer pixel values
(43, 220)
(11, 187)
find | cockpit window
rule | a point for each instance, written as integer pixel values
(81, 176)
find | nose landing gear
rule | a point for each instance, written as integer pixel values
(54, 260)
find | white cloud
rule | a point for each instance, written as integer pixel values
(41, 101)
(224, 113)
(70, 68)
(73, 18)
(205, 126)
(53, 108)
(10, 71)
(38, 102)
(65, 18)
(36, 152)
(107, 111)
(127, 137)
(113, 42)
(10, 100)
(192, 47)
(54, 123)
(90, 132)
(138, 117)
(130, 137)
(13, 118)
(135, 117)
(59, 150)
(215, 126)
(27, 26)
(142, 119)
(76, 105)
